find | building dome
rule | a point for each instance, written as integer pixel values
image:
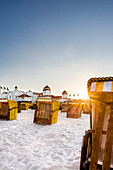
(46, 88)
(46, 91)
(64, 92)
(16, 87)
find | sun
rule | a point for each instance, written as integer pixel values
(83, 94)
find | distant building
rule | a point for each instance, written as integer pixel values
(30, 96)
(18, 95)
(3, 92)
(64, 94)
(13, 95)
(3, 95)
(47, 93)
(22, 96)
(36, 95)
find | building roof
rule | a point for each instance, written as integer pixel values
(24, 95)
(58, 97)
(39, 94)
(46, 88)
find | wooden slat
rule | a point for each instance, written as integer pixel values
(100, 110)
(109, 142)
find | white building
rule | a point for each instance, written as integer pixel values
(3, 95)
(18, 95)
(33, 95)
(22, 96)
(13, 95)
(3, 92)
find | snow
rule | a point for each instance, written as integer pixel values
(28, 146)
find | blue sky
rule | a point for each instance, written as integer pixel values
(61, 43)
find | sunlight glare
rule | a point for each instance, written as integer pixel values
(83, 94)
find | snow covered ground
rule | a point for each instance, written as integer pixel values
(28, 146)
